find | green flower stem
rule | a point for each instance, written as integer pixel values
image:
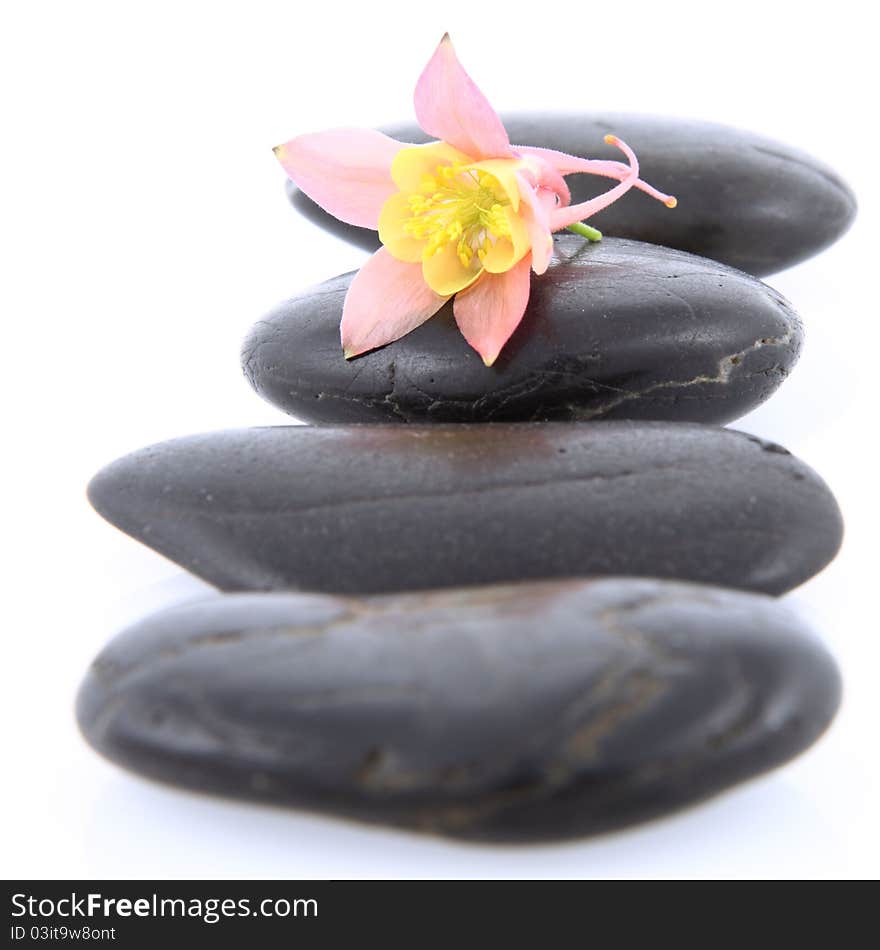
(584, 230)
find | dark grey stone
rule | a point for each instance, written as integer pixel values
(743, 199)
(368, 509)
(614, 330)
(537, 711)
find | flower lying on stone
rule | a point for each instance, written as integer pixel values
(468, 215)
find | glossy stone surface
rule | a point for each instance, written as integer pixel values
(743, 199)
(536, 711)
(614, 330)
(367, 509)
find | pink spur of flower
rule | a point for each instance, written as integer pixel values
(466, 216)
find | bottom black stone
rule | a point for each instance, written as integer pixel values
(512, 713)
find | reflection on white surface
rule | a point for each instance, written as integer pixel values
(734, 835)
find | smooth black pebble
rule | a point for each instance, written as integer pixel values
(370, 509)
(518, 713)
(614, 330)
(743, 199)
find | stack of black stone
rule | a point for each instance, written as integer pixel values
(551, 625)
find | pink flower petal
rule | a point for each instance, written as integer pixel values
(537, 205)
(572, 165)
(563, 217)
(449, 106)
(543, 174)
(346, 171)
(386, 299)
(490, 310)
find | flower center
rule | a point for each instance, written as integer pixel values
(459, 204)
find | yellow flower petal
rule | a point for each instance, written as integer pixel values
(504, 170)
(395, 212)
(445, 274)
(411, 165)
(508, 251)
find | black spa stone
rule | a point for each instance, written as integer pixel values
(614, 330)
(367, 509)
(527, 712)
(743, 199)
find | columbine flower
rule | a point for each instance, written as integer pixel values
(467, 215)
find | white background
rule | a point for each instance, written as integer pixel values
(144, 228)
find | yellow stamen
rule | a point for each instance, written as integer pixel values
(462, 205)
